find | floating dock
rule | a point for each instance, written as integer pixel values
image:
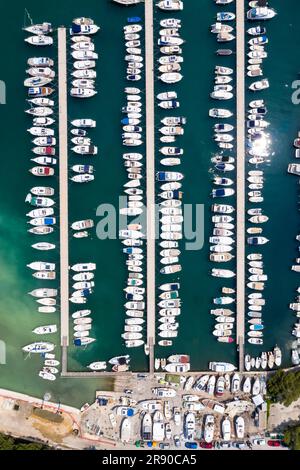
(63, 186)
(240, 179)
(150, 172)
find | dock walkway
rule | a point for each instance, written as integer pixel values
(150, 169)
(63, 187)
(240, 178)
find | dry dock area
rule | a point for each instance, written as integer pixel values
(150, 169)
(240, 178)
(63, 187)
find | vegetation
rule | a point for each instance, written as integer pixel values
(292, 437)
(10, 443)
(284, 387)
(49, 415)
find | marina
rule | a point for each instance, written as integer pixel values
(107, 302)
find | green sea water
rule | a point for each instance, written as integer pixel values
(18, 314)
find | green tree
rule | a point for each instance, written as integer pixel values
(284, 387)
(9, 443)
(292, 437)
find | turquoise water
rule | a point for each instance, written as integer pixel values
(17, 310)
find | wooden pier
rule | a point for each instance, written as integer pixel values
(63, 187)
(240, 178)
(150, 184)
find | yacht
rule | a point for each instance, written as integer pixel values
(209, 428)
(240, 427)
(84, 64)
(277, 356)
(40, 62)
(226, 429)
(170, 5)
(221, 28)
(82, 92)
(39, 40)
(82, 224)
(220, 113)
(40, 91)
(84, 74)
(170, 59)
(47, 375)
(225, 16)
(256, 31)
(42, 28)
(84, 29)
(82, 178)
(39, 347)
(259, 85)
(189, 426)
(257, 240)
(43, 246)
(221, 95)
(100, 365)
(42, 330)
(170, 23)
(170, 77)
(169, 95)
(261, 13)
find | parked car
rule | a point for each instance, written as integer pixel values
(274, 443)
(206, 445)
(225, 445)
(239, 445)
(164, 445)
(191, 445)
(259, 442)
(177, 441)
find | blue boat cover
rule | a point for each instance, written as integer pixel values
(133, 19)
(76, 28)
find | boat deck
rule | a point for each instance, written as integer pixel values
(240, 178)
(63, 186)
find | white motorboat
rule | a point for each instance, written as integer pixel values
(43, 246)
(42, 330)
(40, 62)
(84, 29)
(46, 72)
(240, 427)
(82, 224)
(170, 5)
(259, 85)
(47, 375)
(220, 113)
(43, 292)
(209, 428)
(261, 13)
(83, 92)
(226, 429)
(171, 77)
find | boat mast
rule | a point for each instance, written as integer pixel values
(27, 16)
